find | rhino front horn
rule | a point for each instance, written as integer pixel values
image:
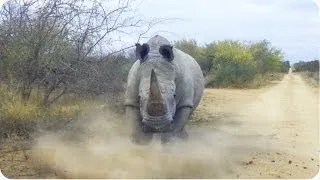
(156, 106)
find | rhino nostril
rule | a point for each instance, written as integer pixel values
(156, 109)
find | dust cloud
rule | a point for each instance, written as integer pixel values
(98, 146)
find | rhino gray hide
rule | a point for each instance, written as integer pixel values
(164, 87)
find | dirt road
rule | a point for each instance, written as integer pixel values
(267, 133)
(285, 116)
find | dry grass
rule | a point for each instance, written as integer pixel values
(258, 81)
(312, 78)
(18, 117)
(264, 80)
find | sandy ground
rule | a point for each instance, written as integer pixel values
(266, 133)
(285, 116)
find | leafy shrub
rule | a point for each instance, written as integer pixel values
(234, 65)
(230, 63)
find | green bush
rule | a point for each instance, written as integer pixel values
(192, 48)
(232, 74)
(234, 65)
(230, 63)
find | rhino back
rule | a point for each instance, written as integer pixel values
(190, 80)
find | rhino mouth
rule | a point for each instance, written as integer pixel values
(152, 124)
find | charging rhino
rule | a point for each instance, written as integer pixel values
(164, 87)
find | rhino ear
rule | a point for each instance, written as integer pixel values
(166, 52)
(142, 51)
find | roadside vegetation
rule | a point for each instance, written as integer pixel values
(56, 60)
(309, 71)
(235, 64)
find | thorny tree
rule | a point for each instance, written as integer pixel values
(61, 45)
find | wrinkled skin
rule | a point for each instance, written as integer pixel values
(164, 86)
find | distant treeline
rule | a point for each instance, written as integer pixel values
(311, 66)
(230, 63)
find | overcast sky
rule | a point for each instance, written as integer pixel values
(292, 25)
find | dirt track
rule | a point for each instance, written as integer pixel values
(284, 116)
(266, 133)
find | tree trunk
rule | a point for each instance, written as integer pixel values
(26, 91)
(46, 99)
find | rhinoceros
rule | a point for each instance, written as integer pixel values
(164, 87)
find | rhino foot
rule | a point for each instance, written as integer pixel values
(183, 135)
(166, 138)
(141, 138)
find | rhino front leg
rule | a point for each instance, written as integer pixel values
(179, 121)
(137, 135)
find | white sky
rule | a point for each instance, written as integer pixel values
(292, 25)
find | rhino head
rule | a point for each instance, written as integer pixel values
(157, 89)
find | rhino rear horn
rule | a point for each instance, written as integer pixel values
(156, 106)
